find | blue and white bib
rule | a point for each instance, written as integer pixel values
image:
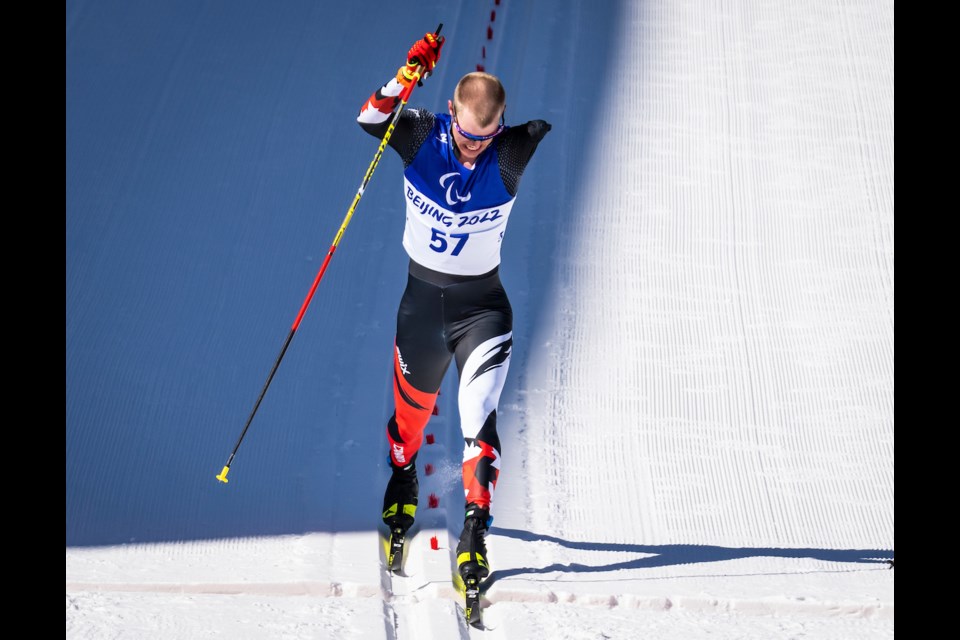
(456, 217)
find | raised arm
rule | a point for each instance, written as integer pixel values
(376, 112)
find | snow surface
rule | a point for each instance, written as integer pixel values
(697, 430)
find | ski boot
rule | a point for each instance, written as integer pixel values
(472, 559)
(472, 551)
(399, 509)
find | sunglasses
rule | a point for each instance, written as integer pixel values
(474, 137)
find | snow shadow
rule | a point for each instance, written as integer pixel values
(211, 155)
(676, 554)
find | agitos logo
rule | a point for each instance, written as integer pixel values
(453, 196)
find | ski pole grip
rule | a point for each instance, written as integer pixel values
(407, 90)
(405, 94)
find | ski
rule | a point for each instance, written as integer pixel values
(471, 606)
(395, 550)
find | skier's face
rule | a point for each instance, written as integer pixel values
(465, 127)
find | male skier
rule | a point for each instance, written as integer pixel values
(461, 173)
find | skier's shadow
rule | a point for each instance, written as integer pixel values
(675, 554)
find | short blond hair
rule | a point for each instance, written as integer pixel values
(482, 94)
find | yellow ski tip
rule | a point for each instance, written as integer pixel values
(223, 474)
(458, 584)
(385, 543)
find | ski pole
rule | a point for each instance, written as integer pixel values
(404, 97)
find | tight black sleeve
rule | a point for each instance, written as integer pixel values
(412, 130)
(515, 149)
